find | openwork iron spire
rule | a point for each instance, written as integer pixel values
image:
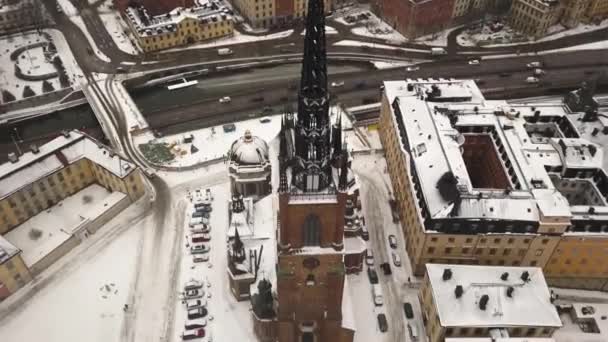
(312, 140)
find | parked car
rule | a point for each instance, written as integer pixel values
(413, 330)
(193, 294)
(337, 84)
(197, 313)
(386, 268)
(265, 119)
(193, 334)
(195, 324)
(200, 238)
(200, 258)
(409, 312)
(392, 241)
(229, 128)
(396, 259)
(377, 295)
(199, 249)
(364, 232)
(200, 214)
(373, 276)
(369, 257)
(196, 303)
(203, 206)
(382, 322)
(200, 228)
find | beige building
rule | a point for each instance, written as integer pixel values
(182, 26)
(483, 301)
(494, 183)
(39, 179)
(274, 13)
(534, 17)
(21, 15)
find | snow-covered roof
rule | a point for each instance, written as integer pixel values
(528, 305)
(249, 150)
(147, 25)
(348, 315)
(435, 119)
(242, 221)
(7, 250)
(56, 155)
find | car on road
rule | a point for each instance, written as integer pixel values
(474, 62)
(225, 99)
(396, 259)
(377, 295)
(382, 322)
(533, 65)
(372, 275)
(364, 232)
(121, 70)
(532, 80)
(193, 334)
(337, 84)
(409, 311)
(197, 313)
(392, 241)
(369, 258)
(229, 128)
(266, 119)
(386, 267)
(412, 68)
(538, 72)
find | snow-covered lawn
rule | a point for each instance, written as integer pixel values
(81, 297)
(120, 33)
(237, 38)
(32, 61)
(80, 23)
(374, 45)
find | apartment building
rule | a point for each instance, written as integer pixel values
(182, 26)
(414, 18)
(39, 179)
(274, 13)
(21, 15)
(484, 301)
(494, 183)
(534, 17)
(154, 7)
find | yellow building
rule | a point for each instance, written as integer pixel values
(483, 301)
(596, 10)
(182, 26)
(534, 17)
(39, 179)
(274, 13)
(492, 183)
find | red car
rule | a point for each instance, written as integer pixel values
(193, 334)
(197, 238)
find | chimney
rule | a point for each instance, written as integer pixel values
(13, 157)
(34, 148)
(510, 290)
(505, 276)
(483, 302)
(525, 276)
(458, 291)
(447, 274)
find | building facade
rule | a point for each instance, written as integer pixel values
(534, 17)
(39, 179)
(154, 7)
(21, 15)
(182, 26)
(510, 184)
(491, 301)
(249, 167)
(275, 13)
(414, 18)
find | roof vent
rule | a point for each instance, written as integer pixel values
(504, 276)
(510, 290)
(591, 210)
(525, 276)
(447, 274)
(458, 291)
(483, 302)
(13, 157)
(34, 148)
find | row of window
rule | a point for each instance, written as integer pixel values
(515, 332)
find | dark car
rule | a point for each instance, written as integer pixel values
(197, 213)
(197, 313)
(382, 323)
(373, 276)
(194, 326)
(386, 267)
(392, 241)
(409, 312)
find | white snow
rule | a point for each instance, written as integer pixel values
(389, 65)
(381, 30)
(376, 46)
(328, 30)
(56, 224)
(436, 39)
(237, 38)
(69, 62)
(120, 33)
(80, 23)
(213, 142)
(79, 298)
(603, 44)
(67, 7)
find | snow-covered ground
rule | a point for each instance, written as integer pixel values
(80, 23)
(237, 38)
(389, 65)
(117, 28)
(32, 62)
(67, 7)
(374, 27)
(374, 45)
(328, 30)
(436, 39)
(81, 297)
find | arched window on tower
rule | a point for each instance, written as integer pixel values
(311, 231)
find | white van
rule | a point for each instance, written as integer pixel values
(377, 294)
(413, 330)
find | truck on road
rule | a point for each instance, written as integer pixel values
(438, 51)
(224, 52)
